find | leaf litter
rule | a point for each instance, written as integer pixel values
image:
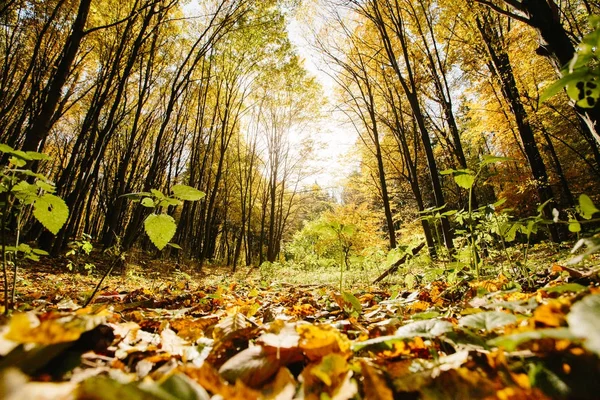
(251, 340)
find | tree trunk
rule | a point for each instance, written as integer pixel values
(502, 70)
(42, 123)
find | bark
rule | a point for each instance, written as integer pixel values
(555, 43)
(502, 70)
(41, 125)
(375, 14)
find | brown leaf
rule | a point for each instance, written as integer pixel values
(374, 384)
(231, 325)
(192, 329)
(253, 366)
(210, 380)
(282, 388)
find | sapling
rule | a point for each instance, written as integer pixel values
(466, 179)
(22, 191)
(159, 226)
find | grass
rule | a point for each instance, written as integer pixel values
(50, 280)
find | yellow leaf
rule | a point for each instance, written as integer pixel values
(318, 341)
(330, 367)
(47, 332)
(209, 379)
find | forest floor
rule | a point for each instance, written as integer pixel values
(155, 331)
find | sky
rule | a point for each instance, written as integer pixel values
(335, 134)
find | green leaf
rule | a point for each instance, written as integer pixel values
(103, 388)
(511, 342)
(584, 321)
(21, 154)
(157, 193)
(51, 211)
(4, 148)
(488, 320)
(585, 90)
(169, 201)
(34, 155)
(350, 298)
(45, 186)
(425, 329)
(448, 171)
(147, 202)
(587, 207)
(574, 226)
(181, 387)
(449, 213)
(25, 192)
(567, 287)
(17, 162)
(160, 228)
(28, 172)
(490, 159)
(40, 252)
(136, 196)
(548, 381)
(174, 245)
(425, 315)
(465, 181)
(560, 84)
(24, 248)
(541, 207)
(184, 192)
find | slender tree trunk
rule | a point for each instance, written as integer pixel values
(503, 72)
(42, 123)
(410, 90)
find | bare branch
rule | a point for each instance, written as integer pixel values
(509, 14)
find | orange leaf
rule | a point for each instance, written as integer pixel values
(209, 379)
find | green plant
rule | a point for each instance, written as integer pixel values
(466, 179)
(433, 216)
(581, 77)
(78, 250)
(342, 235)
(160, 226)
(586, 210)
(23, 191)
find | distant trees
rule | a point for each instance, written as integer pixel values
(152, 93)
(148, 94)
(428, 65)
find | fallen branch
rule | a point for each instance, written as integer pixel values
(398, 263)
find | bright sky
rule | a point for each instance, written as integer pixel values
(337, 136)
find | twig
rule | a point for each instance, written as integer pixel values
(398, 263)
(112, 266)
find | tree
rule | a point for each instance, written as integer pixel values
(555, 42)
(356, 78)
(389, 21)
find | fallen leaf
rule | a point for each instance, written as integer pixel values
(375, 385)
(317, 341)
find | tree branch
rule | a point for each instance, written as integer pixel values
(499, 10)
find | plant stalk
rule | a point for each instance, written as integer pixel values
(4, 260)
(97, 288)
